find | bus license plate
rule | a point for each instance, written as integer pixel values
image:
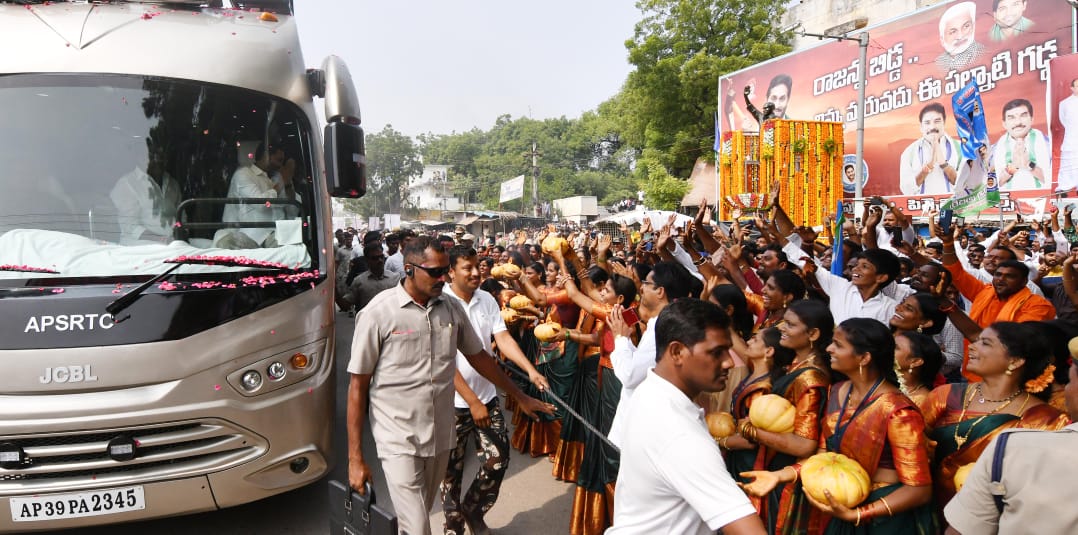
(60, 506)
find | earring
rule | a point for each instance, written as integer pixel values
(919, 328)
(861, 370)
(1010, 369)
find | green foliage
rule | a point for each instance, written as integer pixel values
(680, 49)
(662, 191)
(392, 159)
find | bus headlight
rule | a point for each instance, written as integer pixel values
(251, 380)
(275, 371)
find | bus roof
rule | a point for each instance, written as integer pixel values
(235, 47)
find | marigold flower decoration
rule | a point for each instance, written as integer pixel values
(1043, 381)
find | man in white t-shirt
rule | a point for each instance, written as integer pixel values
(1068, 150)
(254, 181)
(476, 402)
(672, 477)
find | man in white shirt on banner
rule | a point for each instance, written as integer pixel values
(672, 477)
(1068, 150)
(929, 166)
(1021, 157)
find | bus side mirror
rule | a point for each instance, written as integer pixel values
(346, 160)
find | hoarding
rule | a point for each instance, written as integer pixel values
(916, 63)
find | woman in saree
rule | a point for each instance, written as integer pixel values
(556, 360)
(742, 326)
(781, 289)
(1014, 364)
(807, 332)
(917, 364)
(767, 359)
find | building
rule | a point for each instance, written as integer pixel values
(430, 191)
(842, 16)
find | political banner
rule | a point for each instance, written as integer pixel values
(916, 64)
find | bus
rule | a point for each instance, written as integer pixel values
(166, 257)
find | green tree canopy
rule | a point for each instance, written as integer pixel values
(392, 159)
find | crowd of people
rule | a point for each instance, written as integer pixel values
(910, 357)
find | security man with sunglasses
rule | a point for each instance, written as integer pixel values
(402, 368)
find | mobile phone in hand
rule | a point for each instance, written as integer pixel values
(630, 317)
(945, 220)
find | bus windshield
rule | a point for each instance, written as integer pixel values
(106, 177)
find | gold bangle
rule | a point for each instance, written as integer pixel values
(888, 506)
(858, 522)
(722, 443)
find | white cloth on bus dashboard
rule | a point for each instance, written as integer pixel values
(78, 256)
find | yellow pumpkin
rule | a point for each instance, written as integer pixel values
(720, 424)
(960, 475)
(847, 481)
(772, 413)
(553, 242)
(520, 301)
(510, 316)
(506, 272)
(547, 332)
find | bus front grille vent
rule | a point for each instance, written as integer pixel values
(166, 451)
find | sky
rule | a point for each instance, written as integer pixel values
(447, 66)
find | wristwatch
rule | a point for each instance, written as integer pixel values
(1032, 165)
(945, 164)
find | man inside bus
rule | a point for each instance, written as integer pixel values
(402, 369)
(256, 181)
(146, 201)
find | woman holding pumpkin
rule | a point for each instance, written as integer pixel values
(767, 360)
(807, 332)
(555, 359)
(872, 423)
(962, 418)
(593, 505)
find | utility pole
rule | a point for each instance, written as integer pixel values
(535, 154)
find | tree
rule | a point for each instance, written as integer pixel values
(392, 159)
(680, 48)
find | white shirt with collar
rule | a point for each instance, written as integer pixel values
(395, 263)
(145, 209)
(252, 182)
(631, 365)
(845, 299)
(486, 318)
(672, 478)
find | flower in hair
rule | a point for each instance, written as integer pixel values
(1041, 382)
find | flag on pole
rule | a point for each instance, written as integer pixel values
(718, 141)
(975, 188)
(837, 260)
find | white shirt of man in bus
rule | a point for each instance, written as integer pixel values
(1022, 158)
(929, 165)
(145, 206)
(1068, 150)
(253, 181)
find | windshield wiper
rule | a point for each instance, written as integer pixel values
(130, 297)
(27, 269)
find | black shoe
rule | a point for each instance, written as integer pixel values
(474, 520)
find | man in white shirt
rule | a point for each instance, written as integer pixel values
(476, 402)
(146, 202)
(929, 165)
(395, 261)
(374, 281)
(667, 282)
(254, 181)
(1068, 150)
(672, 477)
(1021, 157)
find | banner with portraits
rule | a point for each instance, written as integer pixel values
(916, 65)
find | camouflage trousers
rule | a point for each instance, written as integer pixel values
(492, 448)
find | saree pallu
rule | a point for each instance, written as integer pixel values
(917, 521)
(584, 399)
(557, 362)
(943, 407)
(738, 461)
(888, 423)
(785, 510)
(593, 500)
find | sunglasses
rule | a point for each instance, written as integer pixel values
(434, 273)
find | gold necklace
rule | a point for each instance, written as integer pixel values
(960, 440)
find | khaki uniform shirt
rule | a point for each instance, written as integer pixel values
(410, 351)
(1039, 473)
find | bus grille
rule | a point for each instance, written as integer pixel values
(165, 451)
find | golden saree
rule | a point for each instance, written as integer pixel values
(887, 432)
(942, 409)
(738, 461)
(786, 510)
